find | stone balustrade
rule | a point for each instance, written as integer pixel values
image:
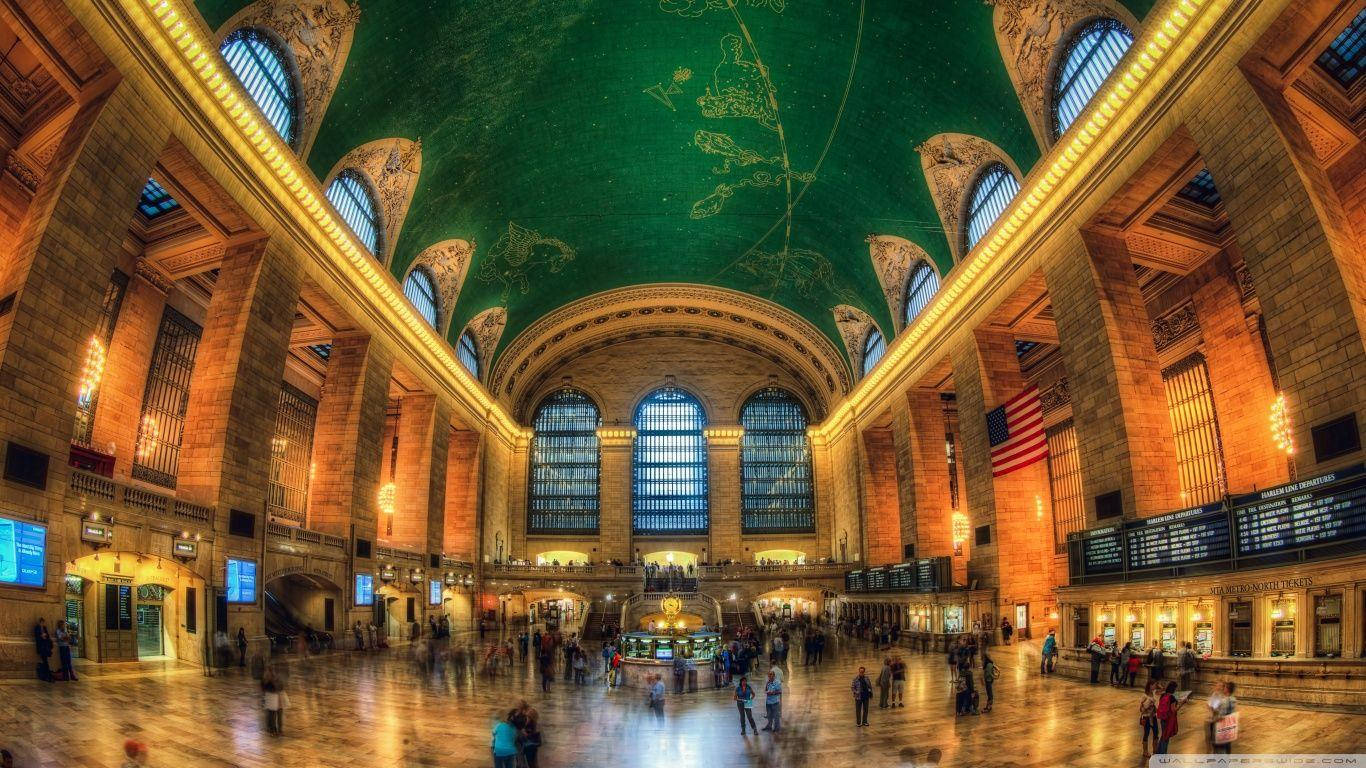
(137, 499)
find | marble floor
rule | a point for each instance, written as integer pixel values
(364, 711)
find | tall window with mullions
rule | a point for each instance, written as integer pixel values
(565, 465)
(1199, 450)
(775, 465)
(259, 63)
(669, 467)
(165, 400)
(96, 351)
(291, 455)
(991, 194)
(1091, 56)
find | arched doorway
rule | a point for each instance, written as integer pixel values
(779, 557)
(671, 557)
(562, 557)
(299, 604)
(134, 607)
(400, 608)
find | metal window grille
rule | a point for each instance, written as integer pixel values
(1200, 189)
(775, 465)
(350, 194)
(922, 286)
(323, 351)
(669, 465)
(468, 352)
(260, 67)
(155, 200)
(1328, 625)
(1199, 452)
(165, 400)
(874, 346)
(1092, 55)
(1064, 483)
(421, 291)
(104, 332)
(291, 455)
(565, 465)
(994, 190)
(1345, 57)
(951, 447)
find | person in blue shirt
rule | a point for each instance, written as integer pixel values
(504, 745)
(656, 699)
(773, 703)
(1050, 653)
(744, 701)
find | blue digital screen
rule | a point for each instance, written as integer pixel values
(23, 553)
(434, 592)
(241, 581)
(365, 589)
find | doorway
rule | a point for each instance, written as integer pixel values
(150, 611)
(1022, 620)
(118, 641)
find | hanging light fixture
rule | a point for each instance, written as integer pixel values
(960, 528)
(92, 372)
(1282, 431)
(387, 493)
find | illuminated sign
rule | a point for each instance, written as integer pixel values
(365, 589)
(241, 581)
(23, 553)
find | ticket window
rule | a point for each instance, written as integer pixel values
(1204, 638)
(1328, 626)
(1108, 633)
(953, 619)
(1168, 637)
(1240, 629)
(1282, 627)
(1137, 636)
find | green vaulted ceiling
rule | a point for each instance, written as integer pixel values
(636, 137)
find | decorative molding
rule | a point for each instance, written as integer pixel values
(1174, 326)
(145, 269)
(893, 258)
(854, 325)
(487, 327)
(27, 177)
(447, 262)
(1032, 36)
(1056, 395)
(317, 36)
(1246, 288)
(392, 166)
(951, 163)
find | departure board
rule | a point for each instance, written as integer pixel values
(854, 581)
(876, 578)
(1198, 534)
(1321, 510)
(901, 578)
(1102, 550)
(927, 574)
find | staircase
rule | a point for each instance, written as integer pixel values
(595, 627)
(734, 619)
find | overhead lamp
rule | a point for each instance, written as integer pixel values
(385, 497)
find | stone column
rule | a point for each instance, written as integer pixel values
(463, 459)
(881, 507)
(723, 476)
(906, 467)
(1018, 560)
(423, 429)
(933, 501)
(1125, 441)
(515, 495)
(341, 500)
(125, 369)
(614, 493)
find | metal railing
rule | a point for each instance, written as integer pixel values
(138, 499)
(305, 535)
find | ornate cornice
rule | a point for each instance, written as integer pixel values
(1056, 395)
(1174, 326)
(392, 166)
(951, 163)
(854, 325)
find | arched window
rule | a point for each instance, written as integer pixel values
(994, 190)
(669, 467)
(922, 285)
(259, 64)
(563, 492)
(775, 465)
(873, 347)
(468, 352)
(421, 291)
(1091, 56)
(350, 194)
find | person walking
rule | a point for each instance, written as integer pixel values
(1185, 665)
(953, 661)
(531, 738)
(773, 703)
(898, 682)
(1134, 664)
(272, 695)
(1049, 660)
(744, 702)
(1154, 662)
(884, 683)
(1097, 651)
(656, 699)
(42, 644)
(862, 689)
(504, 744)
(1147, 718)
(989, 674)
(1223, 726)
(241, 647)
(64, 639)
(359, 635)
(1167, 708)
(1006, 630)
(1116, 659)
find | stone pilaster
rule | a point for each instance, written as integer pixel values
(125, 371)
(423, 431)
(929, 487)
(614, 494)
(881, 507)
(905, 474)
(723, 470)
(463, 459)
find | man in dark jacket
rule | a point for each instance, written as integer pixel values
(862, 689)
(42, 642)
(1098, 654)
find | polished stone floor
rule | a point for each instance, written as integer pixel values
(362, 711)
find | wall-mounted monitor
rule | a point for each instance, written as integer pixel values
(434, 592)
(23, 553)
(365, 589)
(241, 580)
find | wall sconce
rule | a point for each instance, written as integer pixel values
(960, 528)
(1282, 431)
(1130, 617)
(385, 497)
(92, 372)
(1053, 614)
(1038, 507)
(1196, 615)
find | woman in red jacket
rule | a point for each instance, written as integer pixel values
(1167, 708)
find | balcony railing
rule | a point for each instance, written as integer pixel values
(306, 536)
(138, 499)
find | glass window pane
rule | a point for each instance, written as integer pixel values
(563, 493)
(775, 465)
(421, 291)
(994, 190)
(669, 466)
(920, 289)
(468, 352)
(350, 195)
(260, 67)
(1091, 56)
(873, 348)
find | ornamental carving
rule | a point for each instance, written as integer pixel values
(951, 162)
(27, 177)
(1245, 286)
(892, 260)
(487, 327)
(854, 325)
(317, 34)
(1174, 326)
(1029, 33)
(447, 262)
(1056, 395)
(392, 167)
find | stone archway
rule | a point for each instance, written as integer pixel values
(130, 606)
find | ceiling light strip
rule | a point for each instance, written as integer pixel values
(177, 24)
(1146, 55)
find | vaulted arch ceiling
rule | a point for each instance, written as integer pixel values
(754, 145)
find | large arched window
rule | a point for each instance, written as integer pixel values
(350, 194)
(1091, 56)
(421, 291)
(669, 468)
(873, 348)
(259, 64)
(775, 465)
(994, 190)
(563, 492)
(468, 352)
(922, 285)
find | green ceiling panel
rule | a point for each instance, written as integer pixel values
(593, 144)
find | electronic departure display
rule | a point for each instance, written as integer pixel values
(1192, 535)
(854, 582)
(23, 553)
(928, 574)
(1307, 513)
(877, 579)
(901, 578)
(1102, 550)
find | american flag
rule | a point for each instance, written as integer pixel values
(1016, 433)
